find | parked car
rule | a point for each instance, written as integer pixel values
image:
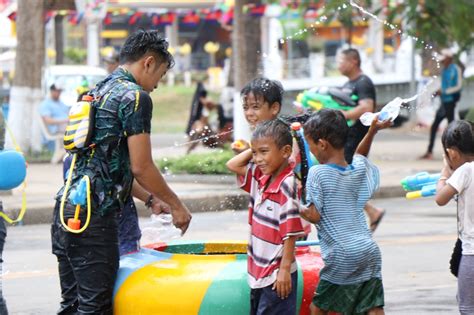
(70, 77)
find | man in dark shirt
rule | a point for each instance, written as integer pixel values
(121, 153)
(362, 86)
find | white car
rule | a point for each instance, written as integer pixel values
(69, 78)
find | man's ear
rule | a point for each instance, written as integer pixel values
(275, 108)
(149, 63)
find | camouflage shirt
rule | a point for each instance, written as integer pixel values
(123, 109)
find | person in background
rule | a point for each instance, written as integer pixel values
(54, 114)
(112, 61)
(450, 93)
(349, 65)
(199, 123)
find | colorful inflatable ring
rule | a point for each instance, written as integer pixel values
(199, 278)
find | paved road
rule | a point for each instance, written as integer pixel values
(416, 238)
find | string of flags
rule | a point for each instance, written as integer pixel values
(222, 14)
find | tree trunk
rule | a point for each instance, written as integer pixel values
(26, 90)
(59, 39)
(246, 50)
(246, 44)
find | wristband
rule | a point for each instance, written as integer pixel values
(149, 201)
(443, 178)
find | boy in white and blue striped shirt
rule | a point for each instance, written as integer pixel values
(351, 280)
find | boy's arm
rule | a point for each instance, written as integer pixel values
(238, 164)
(364, 146)
(310, 214)
(283, 282)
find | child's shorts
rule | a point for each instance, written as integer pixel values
(266, 300)
(349, 299)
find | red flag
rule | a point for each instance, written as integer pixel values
(191, 19)
(108, 19)
(12, 16)
(167, 18)
(134, 18)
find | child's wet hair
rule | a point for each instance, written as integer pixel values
(460, 135)
(271, 90)
(276, 130)
(327, 124)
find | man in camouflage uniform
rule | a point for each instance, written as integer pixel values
(88, 262)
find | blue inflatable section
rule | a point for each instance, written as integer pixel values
(12, 169)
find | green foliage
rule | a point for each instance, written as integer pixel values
(76, 55)
(198, 163)
(438, 23)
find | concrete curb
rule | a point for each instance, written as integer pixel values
(41, 213)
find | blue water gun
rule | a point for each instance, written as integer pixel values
(420, 185)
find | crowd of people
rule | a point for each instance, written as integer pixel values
(119, 163)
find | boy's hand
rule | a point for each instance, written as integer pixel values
(379, 125)
(239, 146)
(283, 283)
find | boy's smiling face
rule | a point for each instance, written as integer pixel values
(269, 157)
(256, 109)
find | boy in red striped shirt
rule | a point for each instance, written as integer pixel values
(274, 218)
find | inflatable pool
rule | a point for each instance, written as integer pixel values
(199, 278)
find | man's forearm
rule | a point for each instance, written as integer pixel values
(151, 180)
(138, 192)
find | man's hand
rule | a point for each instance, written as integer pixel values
(181, 218)
(283, 283)
(159, 206)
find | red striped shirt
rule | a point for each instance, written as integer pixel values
(273, 217)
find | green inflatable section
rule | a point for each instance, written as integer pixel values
(232, 282)
(229, 292)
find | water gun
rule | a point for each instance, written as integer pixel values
(420, 185)
(238, 145)
(78, 198)
(303, 157)
(318, 98)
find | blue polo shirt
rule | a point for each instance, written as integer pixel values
(53, 109)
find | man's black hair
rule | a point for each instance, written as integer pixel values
(460, 135)
(327, 124)
(271, 90)
(353, 54)
(142, 42)
(275, 130)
